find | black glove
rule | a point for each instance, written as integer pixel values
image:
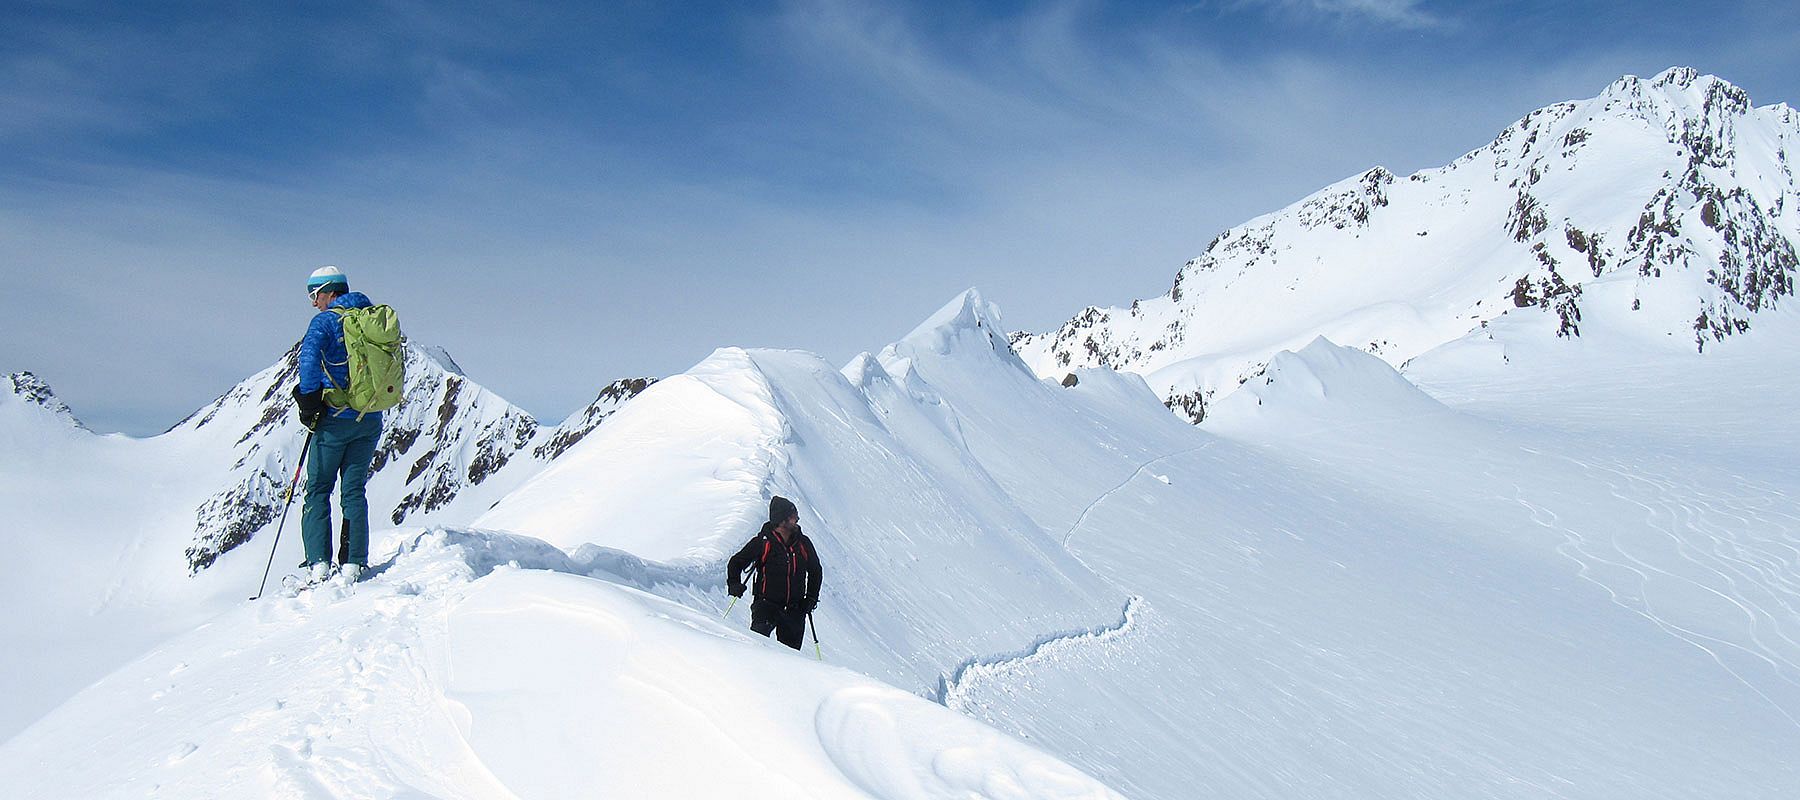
(310, 406)
(735, 589)
(807, 605)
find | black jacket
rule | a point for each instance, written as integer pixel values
(787, 575)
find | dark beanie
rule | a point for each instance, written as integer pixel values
(780, 508)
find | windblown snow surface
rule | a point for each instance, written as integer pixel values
(1673, 196)
(1548, 549)
(1531, 567)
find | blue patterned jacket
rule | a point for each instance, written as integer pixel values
(324, 363)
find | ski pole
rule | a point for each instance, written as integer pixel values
(285, 505)
(815, 629)
(727, 614)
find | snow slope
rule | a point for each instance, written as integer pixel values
(928, 554)
(1339, 586)
(1499, 558)
(1359, 592)
(943, 570)
(1667, 206)
(475, 665)
(142, 538)
(1320, 593)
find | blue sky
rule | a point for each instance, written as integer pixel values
(564, 194)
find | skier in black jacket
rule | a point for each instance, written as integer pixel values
(787, 575)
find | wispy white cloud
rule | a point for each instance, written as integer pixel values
(1404, 14)
(1041, 93)
(875, 159)
(1058, 171)
(62, 78)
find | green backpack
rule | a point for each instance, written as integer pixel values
(377, 362)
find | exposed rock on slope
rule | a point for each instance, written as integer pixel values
(1665, 208)
(32, 392)
(448, 436)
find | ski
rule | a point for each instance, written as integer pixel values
(293, 584)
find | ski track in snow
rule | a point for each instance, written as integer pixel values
(956, 689)
(369, 667)
(1080, 520)
(1672, 555)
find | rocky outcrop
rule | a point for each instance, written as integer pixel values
(578, 426)
(30, 390)
(1675, 189)
(447, 436)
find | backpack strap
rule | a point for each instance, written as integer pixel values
(762, 578)
(324, 367)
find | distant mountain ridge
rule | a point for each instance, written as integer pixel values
(1668, 206)
(1338, 574)
(449, 435)
(32, 392)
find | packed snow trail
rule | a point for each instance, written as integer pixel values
(957, 688)
(476, 666)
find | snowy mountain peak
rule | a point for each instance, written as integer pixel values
(1680, 76)
(967, 311)
(1665, 210)
(29, 391)
(968, 323)
(442, 359)
(448, 440)
(1673, 83)
(1688, 83)
(1685, 103)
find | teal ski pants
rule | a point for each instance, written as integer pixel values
(341, 450)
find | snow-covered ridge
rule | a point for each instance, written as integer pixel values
(1663, 209)
(920, 532)
(489, 665)
(880, 464)
(449, 436)
(1338, 586)
(28, 391)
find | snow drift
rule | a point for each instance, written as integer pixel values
(474, 668)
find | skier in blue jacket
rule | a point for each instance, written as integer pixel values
(342, 443)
